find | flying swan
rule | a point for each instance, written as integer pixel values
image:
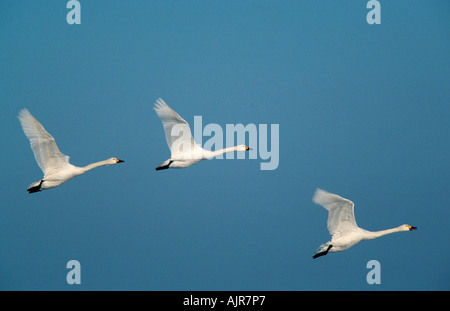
(55, 166)
(342, 225)
(184, 151)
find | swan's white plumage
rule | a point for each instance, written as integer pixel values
(341, 217)
(342, 225)
(55, 166)
(184, 150)
(42, 143)
(176, 128)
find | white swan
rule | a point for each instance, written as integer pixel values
(342, 225)
(56, 167)
(184, 151)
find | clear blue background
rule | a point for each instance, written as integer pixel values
(363, 112)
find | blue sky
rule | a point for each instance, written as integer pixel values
(362, 111)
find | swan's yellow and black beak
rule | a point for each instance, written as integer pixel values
(412, 228)
(119, 161)
(247, 148)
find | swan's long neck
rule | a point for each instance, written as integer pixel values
(212, 154)
(376, 234)
(89, 167)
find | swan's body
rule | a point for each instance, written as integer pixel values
(184, 151)
(55, 166)
(342, 225)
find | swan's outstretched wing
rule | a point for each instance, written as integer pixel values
(42, 143)
(177, 130)
(341, 219)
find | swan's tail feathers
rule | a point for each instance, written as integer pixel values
(164, 165)
(35, 187)
(322, 250)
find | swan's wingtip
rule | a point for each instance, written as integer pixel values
(23, 112)
(317, 194)
(160, 105)
(160, 102)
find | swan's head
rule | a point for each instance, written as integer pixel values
(242, 148)
(112, 161)
(408, 228)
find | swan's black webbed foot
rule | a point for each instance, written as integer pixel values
(323, 253)
(35, 188)
(163, 167)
